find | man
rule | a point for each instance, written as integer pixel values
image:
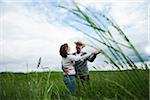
(81, 67)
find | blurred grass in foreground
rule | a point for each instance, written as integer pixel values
(50, 86)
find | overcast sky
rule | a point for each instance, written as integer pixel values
(35, 28)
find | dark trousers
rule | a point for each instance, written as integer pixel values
(83, 84)
(84, 79)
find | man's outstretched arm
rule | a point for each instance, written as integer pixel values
(92, 57)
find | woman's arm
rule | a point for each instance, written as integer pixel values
(76, 58)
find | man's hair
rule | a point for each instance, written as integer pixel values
(63, 50)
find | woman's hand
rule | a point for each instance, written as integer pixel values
(66, 70)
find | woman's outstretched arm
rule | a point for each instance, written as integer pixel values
(77, 58)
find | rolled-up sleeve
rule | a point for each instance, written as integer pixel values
(91, 58)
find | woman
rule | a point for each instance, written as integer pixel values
(68, 68)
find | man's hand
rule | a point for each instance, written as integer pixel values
(96, 52)
(100, 51)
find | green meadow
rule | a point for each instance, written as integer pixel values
(104, 85)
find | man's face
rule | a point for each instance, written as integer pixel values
(78, 48)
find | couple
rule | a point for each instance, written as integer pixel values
(75, 65)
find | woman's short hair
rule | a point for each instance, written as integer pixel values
(63, 50)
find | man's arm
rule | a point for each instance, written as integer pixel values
(91, 58)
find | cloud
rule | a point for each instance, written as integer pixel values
(35, 29)
(26, 38)
(131, 16)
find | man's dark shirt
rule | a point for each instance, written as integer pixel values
(81, 67)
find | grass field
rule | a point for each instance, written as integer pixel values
(110, 85)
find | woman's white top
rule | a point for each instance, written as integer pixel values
(68, 63)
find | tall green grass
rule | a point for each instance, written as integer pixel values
(106, 85)
(115, 53)
(106, 38)
(132, 84)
